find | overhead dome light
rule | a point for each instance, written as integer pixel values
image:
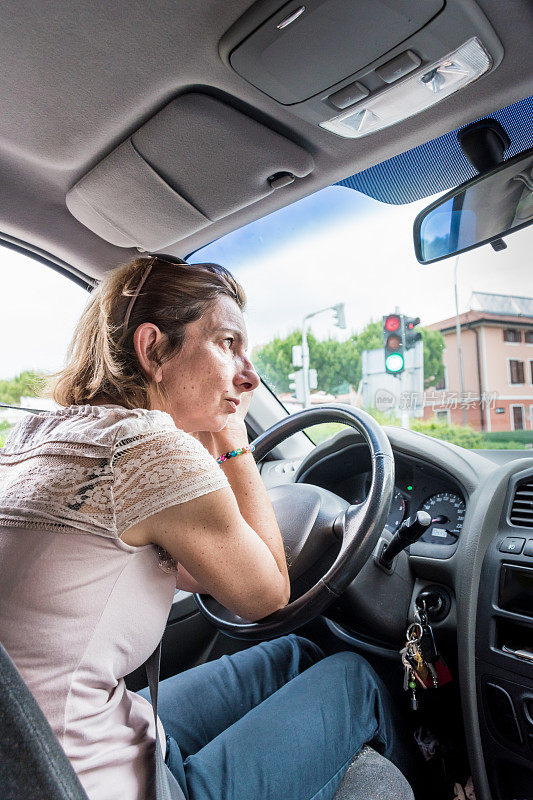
(419, 91)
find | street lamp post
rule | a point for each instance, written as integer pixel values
(305, 361)
(341, 323)
(459, 347)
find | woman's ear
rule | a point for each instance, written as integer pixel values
(145, 339)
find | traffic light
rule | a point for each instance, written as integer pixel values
(410, 336)
(340, 318)
(297, 384)
(393, 344)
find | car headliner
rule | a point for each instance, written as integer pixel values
(79, 77)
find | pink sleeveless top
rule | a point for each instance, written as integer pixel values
(80, 608)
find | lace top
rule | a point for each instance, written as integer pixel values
(100, 469)
(80, 608)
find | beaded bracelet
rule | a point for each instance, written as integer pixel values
(239, 452)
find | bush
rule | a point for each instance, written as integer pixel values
(525, 437)
(456, 434)
(507, 445)
(469, 438)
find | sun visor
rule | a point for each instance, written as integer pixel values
(195, 161)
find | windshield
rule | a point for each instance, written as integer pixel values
(339, 257)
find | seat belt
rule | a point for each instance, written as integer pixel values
(166, 785)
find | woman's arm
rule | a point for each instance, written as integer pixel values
(227, 542)
(186, 582)
(226, 558)
(250, 492)
(253, 501)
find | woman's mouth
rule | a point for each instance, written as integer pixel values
(233, 403)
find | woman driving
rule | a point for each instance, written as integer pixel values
(144, 481)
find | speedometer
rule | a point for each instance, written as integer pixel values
(396, 513)
(447, 512)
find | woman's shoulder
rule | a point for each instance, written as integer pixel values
(97, 426)
(127, 423)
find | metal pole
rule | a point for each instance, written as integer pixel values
(305, 362)
(459, 347)
(305, 351)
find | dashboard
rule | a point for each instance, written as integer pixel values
(479, 548)
(418, 486)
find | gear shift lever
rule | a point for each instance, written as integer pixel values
(409, 532)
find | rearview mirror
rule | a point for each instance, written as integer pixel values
(481, 210)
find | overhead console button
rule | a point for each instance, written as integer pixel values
(303, 50)
(349, 95)
(397, 67)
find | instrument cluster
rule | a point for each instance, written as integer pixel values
(419, 485)
(416, 489)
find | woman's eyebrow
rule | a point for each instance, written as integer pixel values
(236, 331)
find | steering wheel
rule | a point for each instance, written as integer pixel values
(313, 521)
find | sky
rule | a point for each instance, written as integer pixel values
(334, 246)
(361, 255)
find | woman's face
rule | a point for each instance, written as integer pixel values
(204, 382)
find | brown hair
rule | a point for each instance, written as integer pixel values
(101, 359)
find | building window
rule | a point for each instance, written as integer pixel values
(528, 337)
(517, 418)
(516, 371)
(443, 416)
(531, 370)
(512, 335)
(442, 384)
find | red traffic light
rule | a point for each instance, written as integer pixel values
(392, 323)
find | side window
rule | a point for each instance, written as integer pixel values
(512, 335)
(40, 309)
(516, 371)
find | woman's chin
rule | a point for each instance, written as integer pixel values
(223, 421)
(216, 424)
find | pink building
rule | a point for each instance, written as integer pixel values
(497, 347)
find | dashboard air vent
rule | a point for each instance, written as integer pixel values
(522, 507)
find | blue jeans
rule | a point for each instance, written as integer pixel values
(275, 721)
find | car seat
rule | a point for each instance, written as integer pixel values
(33, 763)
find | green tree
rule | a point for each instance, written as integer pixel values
(337, 363)
(433, 342)
(273, 360)
(27, 384)
(370, 338)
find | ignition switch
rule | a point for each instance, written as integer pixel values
(438, 602)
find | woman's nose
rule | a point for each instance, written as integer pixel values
(247, 379)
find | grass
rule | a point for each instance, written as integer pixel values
(326, 430)
(5, 427)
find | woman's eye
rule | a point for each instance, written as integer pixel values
(229, 339)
